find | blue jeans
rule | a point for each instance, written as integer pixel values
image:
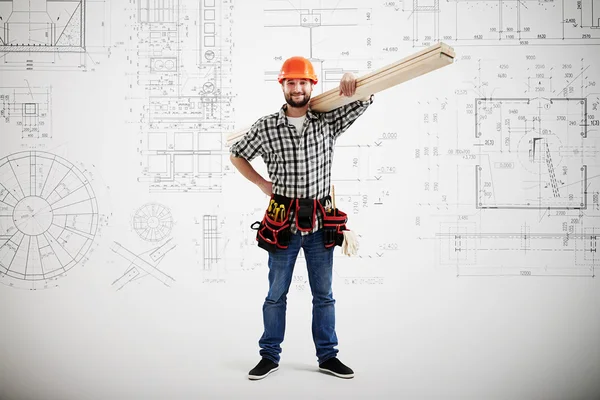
(319, 262)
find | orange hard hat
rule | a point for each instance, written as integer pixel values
(297, 67)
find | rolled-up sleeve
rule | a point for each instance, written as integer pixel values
(249, 146)
(343, 117)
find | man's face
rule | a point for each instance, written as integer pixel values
(297, 91)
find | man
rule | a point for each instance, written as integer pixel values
(296, 145)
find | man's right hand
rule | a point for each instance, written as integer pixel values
(246, 169)
(266, 187)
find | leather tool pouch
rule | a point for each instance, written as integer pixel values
(334, 223)
(272, 235)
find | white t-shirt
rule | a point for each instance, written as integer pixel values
(297, 122)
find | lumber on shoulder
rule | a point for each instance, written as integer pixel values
(420, 63)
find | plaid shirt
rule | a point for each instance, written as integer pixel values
(299, 164)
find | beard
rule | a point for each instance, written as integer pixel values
(290, 100)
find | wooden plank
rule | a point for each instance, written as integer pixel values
(391, 78)
(391, 68)
(420, 63)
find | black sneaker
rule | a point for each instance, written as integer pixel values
(262, 369)
(337, 368)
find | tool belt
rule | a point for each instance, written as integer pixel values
(273, 232)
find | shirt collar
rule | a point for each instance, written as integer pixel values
(282, 118)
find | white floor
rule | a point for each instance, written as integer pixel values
(402, 342)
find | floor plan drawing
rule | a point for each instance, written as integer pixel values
(518, 195)
(533, 143)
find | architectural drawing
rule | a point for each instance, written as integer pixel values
(157, 11)
(143, 264)
(533, 142)
(590, 13)
(184, 92)
(52, 34)
(521, 197)
(153, 222)
(47, 25)
(211, 241)
(509, 180)
(48, 218)
(503, 22)
(313, 30)
(27, 110)
(211, 248)
(478, 252)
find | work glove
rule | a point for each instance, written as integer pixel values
(350, 243)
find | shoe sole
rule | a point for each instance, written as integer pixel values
(257, 377)
(346, 376)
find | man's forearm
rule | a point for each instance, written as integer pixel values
(246, 169)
